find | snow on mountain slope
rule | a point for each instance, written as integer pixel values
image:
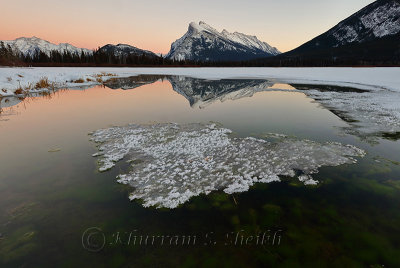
(384, 20)
(125, 50)
(204, 43)
(370, 35)
(251, 41)
(381, 18)
(33, 45)
(375, 21)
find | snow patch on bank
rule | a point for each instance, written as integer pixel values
(12, 79)
(170, 163)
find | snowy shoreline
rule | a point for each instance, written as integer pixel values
(63, 77)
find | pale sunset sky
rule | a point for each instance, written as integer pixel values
(155, 24)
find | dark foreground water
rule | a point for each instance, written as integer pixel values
(56, 209)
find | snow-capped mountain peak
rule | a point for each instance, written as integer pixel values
(204, 43)
(30, 46)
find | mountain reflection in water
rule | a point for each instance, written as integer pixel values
(369, 114)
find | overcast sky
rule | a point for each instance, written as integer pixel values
(155, 24)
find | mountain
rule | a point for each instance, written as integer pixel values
(32, 46)
(200, 92)
(204, 43)
(122, 50)
(371, 34)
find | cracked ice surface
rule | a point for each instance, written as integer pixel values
(170, 163)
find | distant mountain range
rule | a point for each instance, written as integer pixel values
(204, 43)
(200, 43)
(371, 35)
(34, 45)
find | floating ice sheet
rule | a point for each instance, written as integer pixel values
(170, 163)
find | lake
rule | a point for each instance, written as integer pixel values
(58, 209)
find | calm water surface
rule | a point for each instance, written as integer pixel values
(51, 191)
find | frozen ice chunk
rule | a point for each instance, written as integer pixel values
(170, 163)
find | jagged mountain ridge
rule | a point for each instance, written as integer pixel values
(30, 46)
(33, 45)
(204, 43)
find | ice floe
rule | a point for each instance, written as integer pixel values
(170, 163)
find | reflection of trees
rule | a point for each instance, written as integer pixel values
(133, 81)
(202, 92)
